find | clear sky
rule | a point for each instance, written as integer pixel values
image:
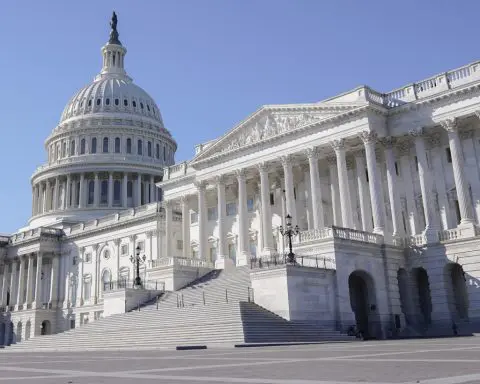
(210, 63)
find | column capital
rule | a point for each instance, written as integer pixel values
(116, 242)
(220, 179)
(200, 184)
(450, 125)
(149, 234)
(286, 160)
(338, 144)
(184, 199)
(241, 173)
(312, 153)
(264, 166)
(168, 203)
(434, 139)
(388, 142)
(368, 137)
(417, 132)
(132, 237)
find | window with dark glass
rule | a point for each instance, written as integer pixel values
(134, 103)
(117, 145)
(148, 108)
(272, 198)
(104, 192)
(140, 147)
(129, 189)
(90, 102)
(116, 192)
(164, 153)
(149, 149)
(72, 148)
(105, 145)
(157, 151)
(94, 145)
(141, 105)
(82, 147)
(107, 101)
(91, 191)
(125, 102)
(98, 101)
(117, 101)
(129, 145)
(449, 155)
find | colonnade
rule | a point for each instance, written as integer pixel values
(94, 190)
(21, 283)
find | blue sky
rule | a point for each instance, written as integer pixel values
(210, 63)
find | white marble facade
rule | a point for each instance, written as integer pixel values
(384, 185)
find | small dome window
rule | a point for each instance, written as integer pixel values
(134, 103)
(81, 104)
(116, 101)
(90, 102)
(125, 102)
(148, 108)
(141, 105)
(107, 101)
(98, 101)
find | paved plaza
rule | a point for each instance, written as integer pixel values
(429, 361)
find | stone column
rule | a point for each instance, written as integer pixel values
(222, 256)
(56, 192)
(125, 191)
(80, 298)
(168, 227)
(48, 196)
(186, 226)
(3, 301)
(110, 189)
(316, 192)
(21, 282)
(202, 221)
(68, 194)
(345, 201)
(289, 188)
(138, 195)
(267, 233)
(13, 283)
(461, 184)
(54, 281)
(425, 184)
(28, 296)
(35, 200)
(388, 143)
(81, 192)
(365, 209)
(96, 188)
(242, 256)
(38, 281)
(152, 189)
(333, 175)
(369, 139)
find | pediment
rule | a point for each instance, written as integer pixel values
(269, 122)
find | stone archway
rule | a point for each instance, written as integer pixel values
(405, 298)
(458, 292)
(28, 330)
(19, 331)
(422, 296)
(46, 328)
(9, 334)
(106, 280)
(2, 333)
(363, 302)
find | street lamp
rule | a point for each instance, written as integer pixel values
(289, 232)
(137, 260)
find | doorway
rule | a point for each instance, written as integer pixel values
(363, 302)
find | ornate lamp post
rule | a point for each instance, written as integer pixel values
(289, 232)
(136, 261)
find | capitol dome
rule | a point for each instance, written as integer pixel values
(108, 150)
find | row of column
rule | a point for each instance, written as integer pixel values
(25, 286)
(74, 192)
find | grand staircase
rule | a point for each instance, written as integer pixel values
(215, 310)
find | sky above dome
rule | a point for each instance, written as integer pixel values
(209, 64)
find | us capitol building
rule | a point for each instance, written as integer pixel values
(384, 188)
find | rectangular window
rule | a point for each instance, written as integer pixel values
(396, 169)
(124, 250)
(212, 213)
(416, 163)
(193, 217)
(295, 193)
(250, 204)
(87, 290)
(231, 209)
(366, 174)
(180, 245)
(149, 148)
(141, 244)
(213, 254)
(231, 251)
(272, 198)
(449, 155)
(87, 258)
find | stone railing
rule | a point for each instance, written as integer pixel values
(35, 234)
(428, 87)
(176, 170)
(448, 234)
(314, 235)
(181, 261)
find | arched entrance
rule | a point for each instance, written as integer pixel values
(106, 279)
(46, 328)
(2, 333)
(19, 331)
(10, 336)
(363, 302)
(458, 290)
(402, 278)
(28, 329)
(423, 299)
(8, 298)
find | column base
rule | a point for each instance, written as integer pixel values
(430, 235)
(224, 263)
(466, 229)
(243, 259)
(379, 231)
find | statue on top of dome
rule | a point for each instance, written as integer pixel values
(114, 32)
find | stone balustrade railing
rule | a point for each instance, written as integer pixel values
(34, 234)
(448, 234)
(181, 261)
(176, 170)
(339, 233)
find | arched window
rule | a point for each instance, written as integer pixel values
(129, 145)
(105, 145)
(134, 103)
(87, 287)
(149, 149)
(107, 101)
(148, 108)
(157, 151)
(64, 149)
(90, 102)
(117, 192)
(164, 153)
(125, 102)
(98, 101)
(72, 148)
(139, 147)
(91, 191)
(141, 105)
(117, 101)
(104, 192)
(93, 149)
(117, 145)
